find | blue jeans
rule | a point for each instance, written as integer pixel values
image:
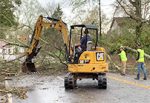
(141, 67)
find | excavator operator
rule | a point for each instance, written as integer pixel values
(85, 40)
(85, 44)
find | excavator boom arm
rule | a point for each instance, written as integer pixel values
(59, 25)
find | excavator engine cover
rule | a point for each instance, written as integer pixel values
(28, 67)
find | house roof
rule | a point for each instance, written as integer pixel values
(121, 21)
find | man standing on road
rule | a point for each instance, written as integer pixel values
(123, 59)
(140, 63)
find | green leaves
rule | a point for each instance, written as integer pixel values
(57, 13)
(7, 17)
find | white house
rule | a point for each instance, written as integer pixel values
(6, 52)
(11, 52)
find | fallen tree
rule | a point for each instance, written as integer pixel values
(128, 48)
(115, 65)
(135, 51)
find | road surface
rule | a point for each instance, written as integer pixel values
(50, 89)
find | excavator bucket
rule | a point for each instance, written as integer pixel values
(28, 67)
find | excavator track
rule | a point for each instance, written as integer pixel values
(102, 81)
(69, 81)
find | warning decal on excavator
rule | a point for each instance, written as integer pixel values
(99, 56)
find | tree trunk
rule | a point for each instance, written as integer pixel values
(138, 13)
(138, 31)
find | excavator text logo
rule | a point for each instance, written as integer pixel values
(99, 56)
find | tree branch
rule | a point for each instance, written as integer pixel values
(132, 2)
(135, 51)
(131, 16)
(16, 44)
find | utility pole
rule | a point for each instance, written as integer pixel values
(100, 19)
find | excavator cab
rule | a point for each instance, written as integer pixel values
(89, 45)
(87, 63)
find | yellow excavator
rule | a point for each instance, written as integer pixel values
(89, 63)
(82, 63)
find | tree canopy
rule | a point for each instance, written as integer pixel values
(7, 17)
(58, 12)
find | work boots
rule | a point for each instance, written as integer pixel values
(138, 77)
(145, 77)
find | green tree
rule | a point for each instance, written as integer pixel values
(7, 18)
(137, 10)
(58, 12)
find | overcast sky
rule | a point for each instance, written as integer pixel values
(106, 6)
(68, 16)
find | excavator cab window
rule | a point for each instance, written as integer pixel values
(77, 33)
(77, 36)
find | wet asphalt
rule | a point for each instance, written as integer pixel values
(50, 89)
